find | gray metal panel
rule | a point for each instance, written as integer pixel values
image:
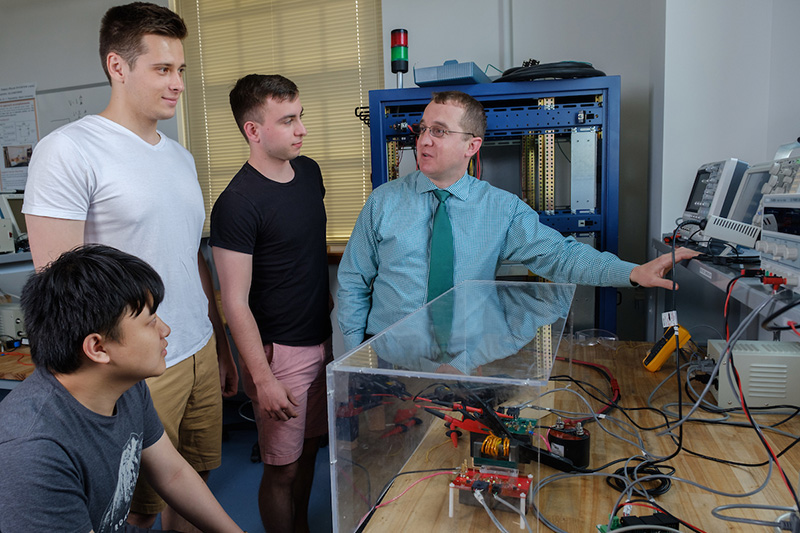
(766, 370)
(500, 165)
(584, 171)
(584, 301)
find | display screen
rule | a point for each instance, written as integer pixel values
(787, 220)
(749, 196)
(699, 187)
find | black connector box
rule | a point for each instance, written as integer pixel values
(657, 519)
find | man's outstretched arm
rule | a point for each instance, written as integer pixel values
(651, 274)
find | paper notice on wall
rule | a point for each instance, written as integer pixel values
(18, 134)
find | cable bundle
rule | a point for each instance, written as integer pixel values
(561, 70)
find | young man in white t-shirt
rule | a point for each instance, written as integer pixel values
(114, 179)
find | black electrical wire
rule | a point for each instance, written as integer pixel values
(765, 324)
(660, 508)
(386, 488)
(442, 384)
(611, 402)
(728, 295)
(651, 466)
(781, 422)
(695, 232)
(719, 410)
(608, 401)
(366, 473)
(646, 468)
(563, 152)
(759, 433)
(672, 251)
(560, 70)
(737, 463)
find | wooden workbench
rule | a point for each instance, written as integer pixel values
(16, 366)
(580, 503)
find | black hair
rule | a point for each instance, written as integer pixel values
(86, 290)
(251, 92)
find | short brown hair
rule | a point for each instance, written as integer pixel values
(123, 27)
(474, 119)
(252, 91)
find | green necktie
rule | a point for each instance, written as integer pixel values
(440, 273)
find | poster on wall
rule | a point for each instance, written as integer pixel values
(18, 134)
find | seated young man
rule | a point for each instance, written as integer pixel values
(75, 434)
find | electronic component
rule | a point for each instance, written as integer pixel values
(450, 73)
(656, 519)
(715, 186)
(780, 238)
(399, 54)
(517, 449)
(493, 450)
(6, 237)
(772, 177)
(506, 483)
(571, 441)
(731, 231)
(11, 209)
(665, 347)
(767, 370)
(603, 528)
(12, 323)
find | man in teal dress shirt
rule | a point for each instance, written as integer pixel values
(383, 275)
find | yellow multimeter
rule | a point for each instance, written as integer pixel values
(665, 347)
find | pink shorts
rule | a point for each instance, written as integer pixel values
(302, 369)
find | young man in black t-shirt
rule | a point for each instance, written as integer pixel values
(269, 245)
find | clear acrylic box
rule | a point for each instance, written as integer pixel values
(463, 360)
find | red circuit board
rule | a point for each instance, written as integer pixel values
(510, 486)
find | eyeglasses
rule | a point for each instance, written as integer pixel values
(435, 131)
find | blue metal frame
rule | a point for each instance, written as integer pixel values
(513, 111)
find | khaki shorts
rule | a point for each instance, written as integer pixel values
(188, 399)
(302, 369)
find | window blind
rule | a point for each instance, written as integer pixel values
(332, 50)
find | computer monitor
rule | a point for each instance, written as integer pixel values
(715, 185)
(11, 209)
(714, 189)
(772, 177)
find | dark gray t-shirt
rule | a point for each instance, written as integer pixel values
(64, 467)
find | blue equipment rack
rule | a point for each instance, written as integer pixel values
(513, 110)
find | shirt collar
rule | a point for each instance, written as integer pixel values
(459, 189)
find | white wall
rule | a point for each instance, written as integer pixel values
(716, 104)
(438, 32)
(729, 91)
(784, 105)
(54, 43)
